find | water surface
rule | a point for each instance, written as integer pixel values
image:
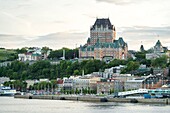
(12, 105)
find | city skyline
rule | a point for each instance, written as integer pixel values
(64, 23)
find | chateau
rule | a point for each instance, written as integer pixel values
(102, 44)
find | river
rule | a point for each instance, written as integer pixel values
(11, 105)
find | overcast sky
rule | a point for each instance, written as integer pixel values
(66, 23)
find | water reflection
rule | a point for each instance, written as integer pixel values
(11, 105)
(104, 105)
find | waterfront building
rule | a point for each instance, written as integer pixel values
(81, 83)
(109, 86)
(133, 84)
(68, 84)
(105, 87)
(93, 83)
(102, 44)
(59, 85)
(153, 81)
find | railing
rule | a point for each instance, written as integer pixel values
(139, 91)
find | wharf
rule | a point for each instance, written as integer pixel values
(95, 99)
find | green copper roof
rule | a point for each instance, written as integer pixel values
(115, 44)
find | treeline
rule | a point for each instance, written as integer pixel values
(69, 54)
(12, 54)
(44, 69)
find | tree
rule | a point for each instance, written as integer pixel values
(22, 50)
(131, 66)
(160, 62)
(76, 72)
(116, 62)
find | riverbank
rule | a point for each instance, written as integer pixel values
(95, 99)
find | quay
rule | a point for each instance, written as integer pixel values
(96, 99)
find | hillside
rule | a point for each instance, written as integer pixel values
(7, 55)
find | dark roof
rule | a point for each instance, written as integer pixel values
(142, 48)
(158, 43)
(104, 22)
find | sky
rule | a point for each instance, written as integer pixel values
(66, 23)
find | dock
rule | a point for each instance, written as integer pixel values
(95, 99)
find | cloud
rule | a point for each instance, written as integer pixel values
(118, 2)
(148, 36)
(53, 40)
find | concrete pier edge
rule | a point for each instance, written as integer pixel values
(95, 99)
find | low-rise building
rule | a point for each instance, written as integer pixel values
(105, 87)
(33, 54)
(110, 86)
(60, 85)
(133, 84)
(68, 84)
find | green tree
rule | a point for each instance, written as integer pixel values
(159, 62)
(76, 72)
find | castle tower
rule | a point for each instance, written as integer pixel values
(102, 44)
(104, 30)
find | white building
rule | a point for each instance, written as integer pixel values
(33, 54)
(133, 84)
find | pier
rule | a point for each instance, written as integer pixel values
(95, 99)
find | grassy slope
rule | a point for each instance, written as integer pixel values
(6, 53)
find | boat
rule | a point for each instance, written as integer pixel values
(7, 91)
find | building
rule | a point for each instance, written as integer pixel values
(133, 84)
(105, 87)
(68, 84)
(158, 51)
(34, 54)
(109, 86)
(81, 83)
(93, 83)
(102, 44)
(59, 84)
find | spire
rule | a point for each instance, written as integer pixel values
(142, 48)
(158, 43)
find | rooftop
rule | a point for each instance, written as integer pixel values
(103, 22)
